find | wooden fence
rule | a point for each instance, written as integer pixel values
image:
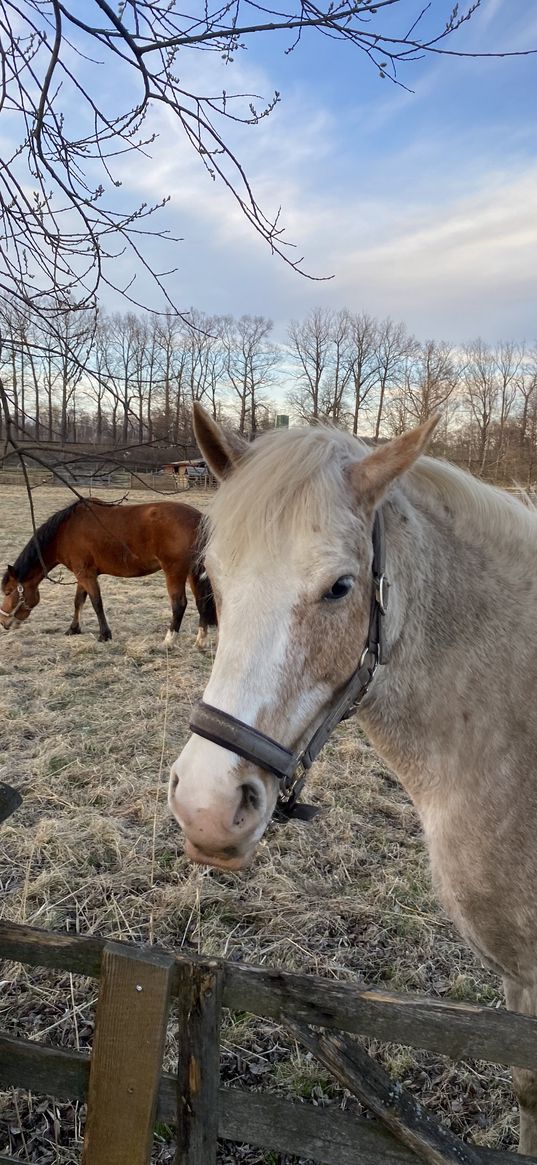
(165, 483)
(127, 1092)
(35, 477)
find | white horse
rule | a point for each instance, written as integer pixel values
(301, 596)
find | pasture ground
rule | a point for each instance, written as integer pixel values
(89, 731)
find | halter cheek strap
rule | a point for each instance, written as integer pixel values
(213, 724)
(21, 603)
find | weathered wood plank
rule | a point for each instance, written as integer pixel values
(457, 1030)
(198, 1071)
(126, 1061)
(325, 1135)
(387, 1100)
(269, 1122)
(261, 1120)
(37, 1068)
(80, 954)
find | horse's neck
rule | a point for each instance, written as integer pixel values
(48, 559)
(453, 627)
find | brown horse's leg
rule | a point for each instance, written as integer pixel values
(524, 1000)
(202, 591)
(176, 591)
(80, 598)
(91, 585)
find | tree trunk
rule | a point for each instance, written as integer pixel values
(380, 408)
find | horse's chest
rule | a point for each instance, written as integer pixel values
(481, 900)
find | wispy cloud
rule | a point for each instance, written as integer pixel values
(422, 206)
(468, 271)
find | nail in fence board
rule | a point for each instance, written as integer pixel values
(198, 1070)
(128, 1047)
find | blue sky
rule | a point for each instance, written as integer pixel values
(422, 205)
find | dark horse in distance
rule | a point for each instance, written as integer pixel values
(91, 538)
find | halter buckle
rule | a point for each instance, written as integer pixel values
(21, 603)
(375, 657)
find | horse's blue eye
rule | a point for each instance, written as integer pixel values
(341, 587)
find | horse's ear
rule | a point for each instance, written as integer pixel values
(221, 450)
(373, 476)
(8, 575)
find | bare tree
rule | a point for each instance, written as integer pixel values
(431, 375)
(394, 347)
(481, 391)
(531, 431)
(250, 361)
(204, 356)
(341, 367)
(509, 358)
(363, 362)
(526, 383)
(121, 360)
(100, 387)
(62, 230)
(310, 343)
(72, 339)
(171, 360)
(323, 350)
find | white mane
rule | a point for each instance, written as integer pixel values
(294, 479)
(475, 504)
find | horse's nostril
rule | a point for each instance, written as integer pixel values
(249, 797)
(174, 781)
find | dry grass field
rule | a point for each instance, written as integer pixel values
(88, 734)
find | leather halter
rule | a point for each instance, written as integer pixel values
(21, 603)
(247, 742)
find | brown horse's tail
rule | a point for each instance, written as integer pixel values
(203, 594)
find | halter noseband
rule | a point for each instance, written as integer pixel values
(225, 730)
(21, 603)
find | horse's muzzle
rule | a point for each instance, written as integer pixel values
(221, 861)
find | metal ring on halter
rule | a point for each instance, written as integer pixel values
(21, 603)
(382, 588)
(368, 651)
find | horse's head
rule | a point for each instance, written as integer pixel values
(289, 555)
(19, 598)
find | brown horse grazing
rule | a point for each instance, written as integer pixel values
(304, 529)
(91, 537)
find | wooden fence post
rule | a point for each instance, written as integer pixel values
(126, 1063)
(198, 1071)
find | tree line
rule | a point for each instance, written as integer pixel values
(121, 379)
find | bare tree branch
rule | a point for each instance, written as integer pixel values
(63, 231)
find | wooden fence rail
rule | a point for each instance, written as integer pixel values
(458, 1030)
(126, 1092)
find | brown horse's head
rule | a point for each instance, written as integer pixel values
(289, 556)
(19, 599)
